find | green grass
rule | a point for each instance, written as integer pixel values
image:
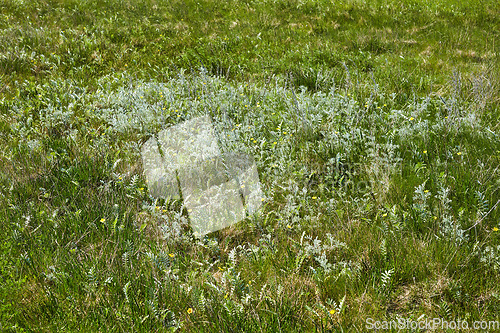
(382, 189)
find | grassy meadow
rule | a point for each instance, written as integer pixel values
(375, 127)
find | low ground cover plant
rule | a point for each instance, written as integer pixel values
(380, 197)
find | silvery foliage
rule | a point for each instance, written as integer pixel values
(319, 250)
(171, 229)
(385, 162)
(420, 201)
(491, 257)
(128, 105)
(449, 226)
